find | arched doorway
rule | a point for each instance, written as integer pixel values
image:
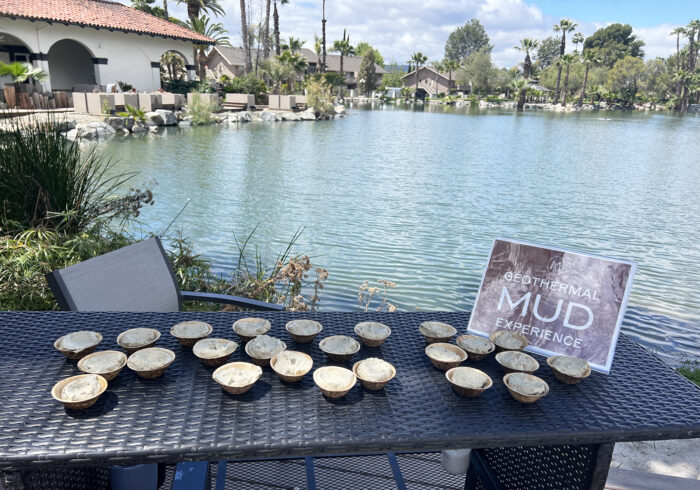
(71, 65)
(12, 49)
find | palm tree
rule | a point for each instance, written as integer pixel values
(589, 58)
(567, 60)
(576, 40)
(276, 21)
(345, 49)
(294, 44)
(417, 59)
(449, 66)
(691, 31)
(216, 32)
(266, 31)
(196, 7)
(246, 39)
(295, 62)
(520, 86)
(565, 25)
(678, 32)
(526, 45)
(277, 71)
(317, 49)
(165, 10)
(323, 37)
(20, 73)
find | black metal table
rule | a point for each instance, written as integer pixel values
(186, 416)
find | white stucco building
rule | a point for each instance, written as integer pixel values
(82, 44)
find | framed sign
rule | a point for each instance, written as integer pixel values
(565, 303)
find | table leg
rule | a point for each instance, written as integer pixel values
(602, 466)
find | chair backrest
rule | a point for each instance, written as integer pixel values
(134, 278)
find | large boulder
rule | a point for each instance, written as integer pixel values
(139, 127)
(269, 116)
(339, 109)
(290, 116)
(307, 115)
(117, 122)
(184, 124)
(168, 117)
(154, 119)
(92, 130)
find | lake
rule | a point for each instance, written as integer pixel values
(418, 198)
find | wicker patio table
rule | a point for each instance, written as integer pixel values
(564, 440)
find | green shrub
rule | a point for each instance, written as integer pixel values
(691, 370)
(136, 112)
(180, 86)
(318, 96)
(248, 84)
(47, 181)
(202, 112)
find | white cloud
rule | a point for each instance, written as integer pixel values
(399, 27)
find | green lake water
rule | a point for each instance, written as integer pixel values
(418, 197)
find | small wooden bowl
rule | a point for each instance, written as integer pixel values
(300, 338)
(525, 397)
(445, 365)
(371, 384)
(85, 364)
(367, 337)
(495, 337)
(190, 332)
(464, 341)
(568, 378)
(262, 361)
(506, 358)
(82, 404)
(332, 392)
(200, 349)
(237, 389)
(151, 373)
(335, 356)
(248, 332)
(448, 331)
(292, 378)
(90, 345)
(151, 335)
(466, 390)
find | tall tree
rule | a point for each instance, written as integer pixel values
(479, 73)
(625, 77)
(368, 72)
(266, 30)
(567, 60)
(245, 35)
(293, 44)
(692, 31)
(614, 42)
(362, 47)
(323, 37)
(197, 7)
(417, 59)
(465, 40)
(296, 62)
(564, 26)
(276, 22)
(450, 66)
(344, 48)
(215, 31)
(576, 40)
(526, 45)
(678, 32)
(547, 52)
(589, 58)
(165, 10)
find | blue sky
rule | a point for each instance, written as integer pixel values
(399, 27)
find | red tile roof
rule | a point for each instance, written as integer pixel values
(100, 14)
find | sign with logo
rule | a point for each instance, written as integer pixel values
(565, 303)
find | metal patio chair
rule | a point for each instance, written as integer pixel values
(138, 277)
